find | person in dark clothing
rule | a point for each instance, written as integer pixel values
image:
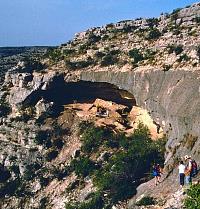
(157, 173)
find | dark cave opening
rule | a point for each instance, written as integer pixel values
(87, 92)
(63, 93)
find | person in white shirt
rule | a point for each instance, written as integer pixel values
(181, 169)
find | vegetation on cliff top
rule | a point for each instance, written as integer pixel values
(95, 46)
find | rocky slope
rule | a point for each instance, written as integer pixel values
(10, 56)
(48, 106)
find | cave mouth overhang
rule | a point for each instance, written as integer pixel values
(87, 91)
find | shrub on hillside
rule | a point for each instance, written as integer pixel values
(51, 154)
(5, 174)
(174, 14)
(183, 57)
(83, 166)
(30, 170)
(198, 52)
(92, 38)
(166, 67)
(31, 64)
(43, 138)
(99, 55)
(93, 137)
(146, 201)
(154, 33)
(177, 49)
(109, 59)
(10, 188)
(5, 108)
(68, 52)
(54, 55)
(95, 202)
(83, 48)
(149, 54)
(152, 22)
(136, 55)
(197, 20)
(193, 199)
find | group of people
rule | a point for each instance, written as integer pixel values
(187, 170)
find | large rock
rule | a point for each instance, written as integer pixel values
(25, 88)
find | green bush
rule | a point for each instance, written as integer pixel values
(176, 32)
(83, 167)
(115, 52)
(43, 138)
(175, 48)
(32, 64)
(136, 55)
(61, 173)
(95, 202)
(128, 29)
(197, 20)
(5, 108)
(105, 37)
(52, 154)
(149, 54)
(5, 174)
(152, 22)
(193, 199)
(92, 138)
(166, 67)
(198, 51)
(10, 188)
(178, 49)
(44, 203)
(83, 48)
(109, 59)
(54, 55)
(146, 201)
(154, 33)
(58, 143)
(183, 57)
(99, 54)
(68, 52)
(30, 170)
(174, 14)
(92, 38)
(71, 206)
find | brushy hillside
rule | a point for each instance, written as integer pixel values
(168, 42)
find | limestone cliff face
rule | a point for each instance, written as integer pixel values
(172, 98)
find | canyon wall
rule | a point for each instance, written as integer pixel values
(172, 98)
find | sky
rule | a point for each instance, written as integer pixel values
(53, 22)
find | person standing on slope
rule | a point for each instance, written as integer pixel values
(157, 173)
(181, 169)
(188, 170)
